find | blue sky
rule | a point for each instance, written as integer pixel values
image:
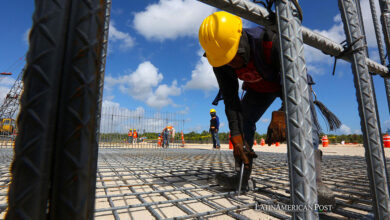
(155, 61)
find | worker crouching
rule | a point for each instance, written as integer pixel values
(252, 55)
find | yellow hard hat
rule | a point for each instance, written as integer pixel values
(219, 35)
(212, 110)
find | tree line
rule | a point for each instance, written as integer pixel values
(205, 137)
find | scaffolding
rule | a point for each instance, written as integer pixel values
(116, 123)
(57, 161)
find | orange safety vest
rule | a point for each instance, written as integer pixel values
(130, 134)
(135, 134)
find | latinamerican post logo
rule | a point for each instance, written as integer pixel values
(260, 206)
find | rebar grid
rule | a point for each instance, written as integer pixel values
(179, 184)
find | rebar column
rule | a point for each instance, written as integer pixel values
(385, 19)
(367, 111)
(31, 167)
(298, 115)
(103, 64)
(76, 147)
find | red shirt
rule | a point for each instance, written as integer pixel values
(254, 81)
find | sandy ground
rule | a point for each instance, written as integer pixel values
(341, 150)
(170, 210)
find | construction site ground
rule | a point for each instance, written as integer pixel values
(154, 183)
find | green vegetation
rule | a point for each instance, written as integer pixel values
(205, 137)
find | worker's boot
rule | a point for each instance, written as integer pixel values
(324, 194)
(231, 182)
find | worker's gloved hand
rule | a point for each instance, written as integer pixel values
(240, 153)
(277, 128)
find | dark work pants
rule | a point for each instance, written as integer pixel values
(214, 135)
(254, 105)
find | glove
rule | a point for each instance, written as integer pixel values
(240, 153)
(277, 128)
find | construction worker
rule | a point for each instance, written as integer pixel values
(130, 136)
(172, 133)
(135, 136)
(165, 134)
(214, 127)
(159, 140)
(252, 55)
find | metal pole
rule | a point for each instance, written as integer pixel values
(298, 117)
(359, 11)
(31, 167)
(385, 19)
(367, 110)
(75, 156)
(380, 46)
(258, 14)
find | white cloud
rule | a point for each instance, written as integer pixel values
(344, 129)
(117, 11)
(6, 83)
(125, 40)
(3, 92)
(374, 55)
(170, 19)
(335, 33)
(315, 70)
(265, 120)
(184, 111)
(385, 125)
(26, 36)
(368, 23)
(118, 119)
(202, 77)
(161, 95)
(109, 97)
(144, 84)
(315, 58)
(337, 18)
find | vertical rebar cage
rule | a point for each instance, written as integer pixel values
(116, 122)
(367, 110)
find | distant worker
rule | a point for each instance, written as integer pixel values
(165, 136)
(252, 55)
(135, 136)
(172, 133)
(214, 127)
(130, 136)
(159, 140)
